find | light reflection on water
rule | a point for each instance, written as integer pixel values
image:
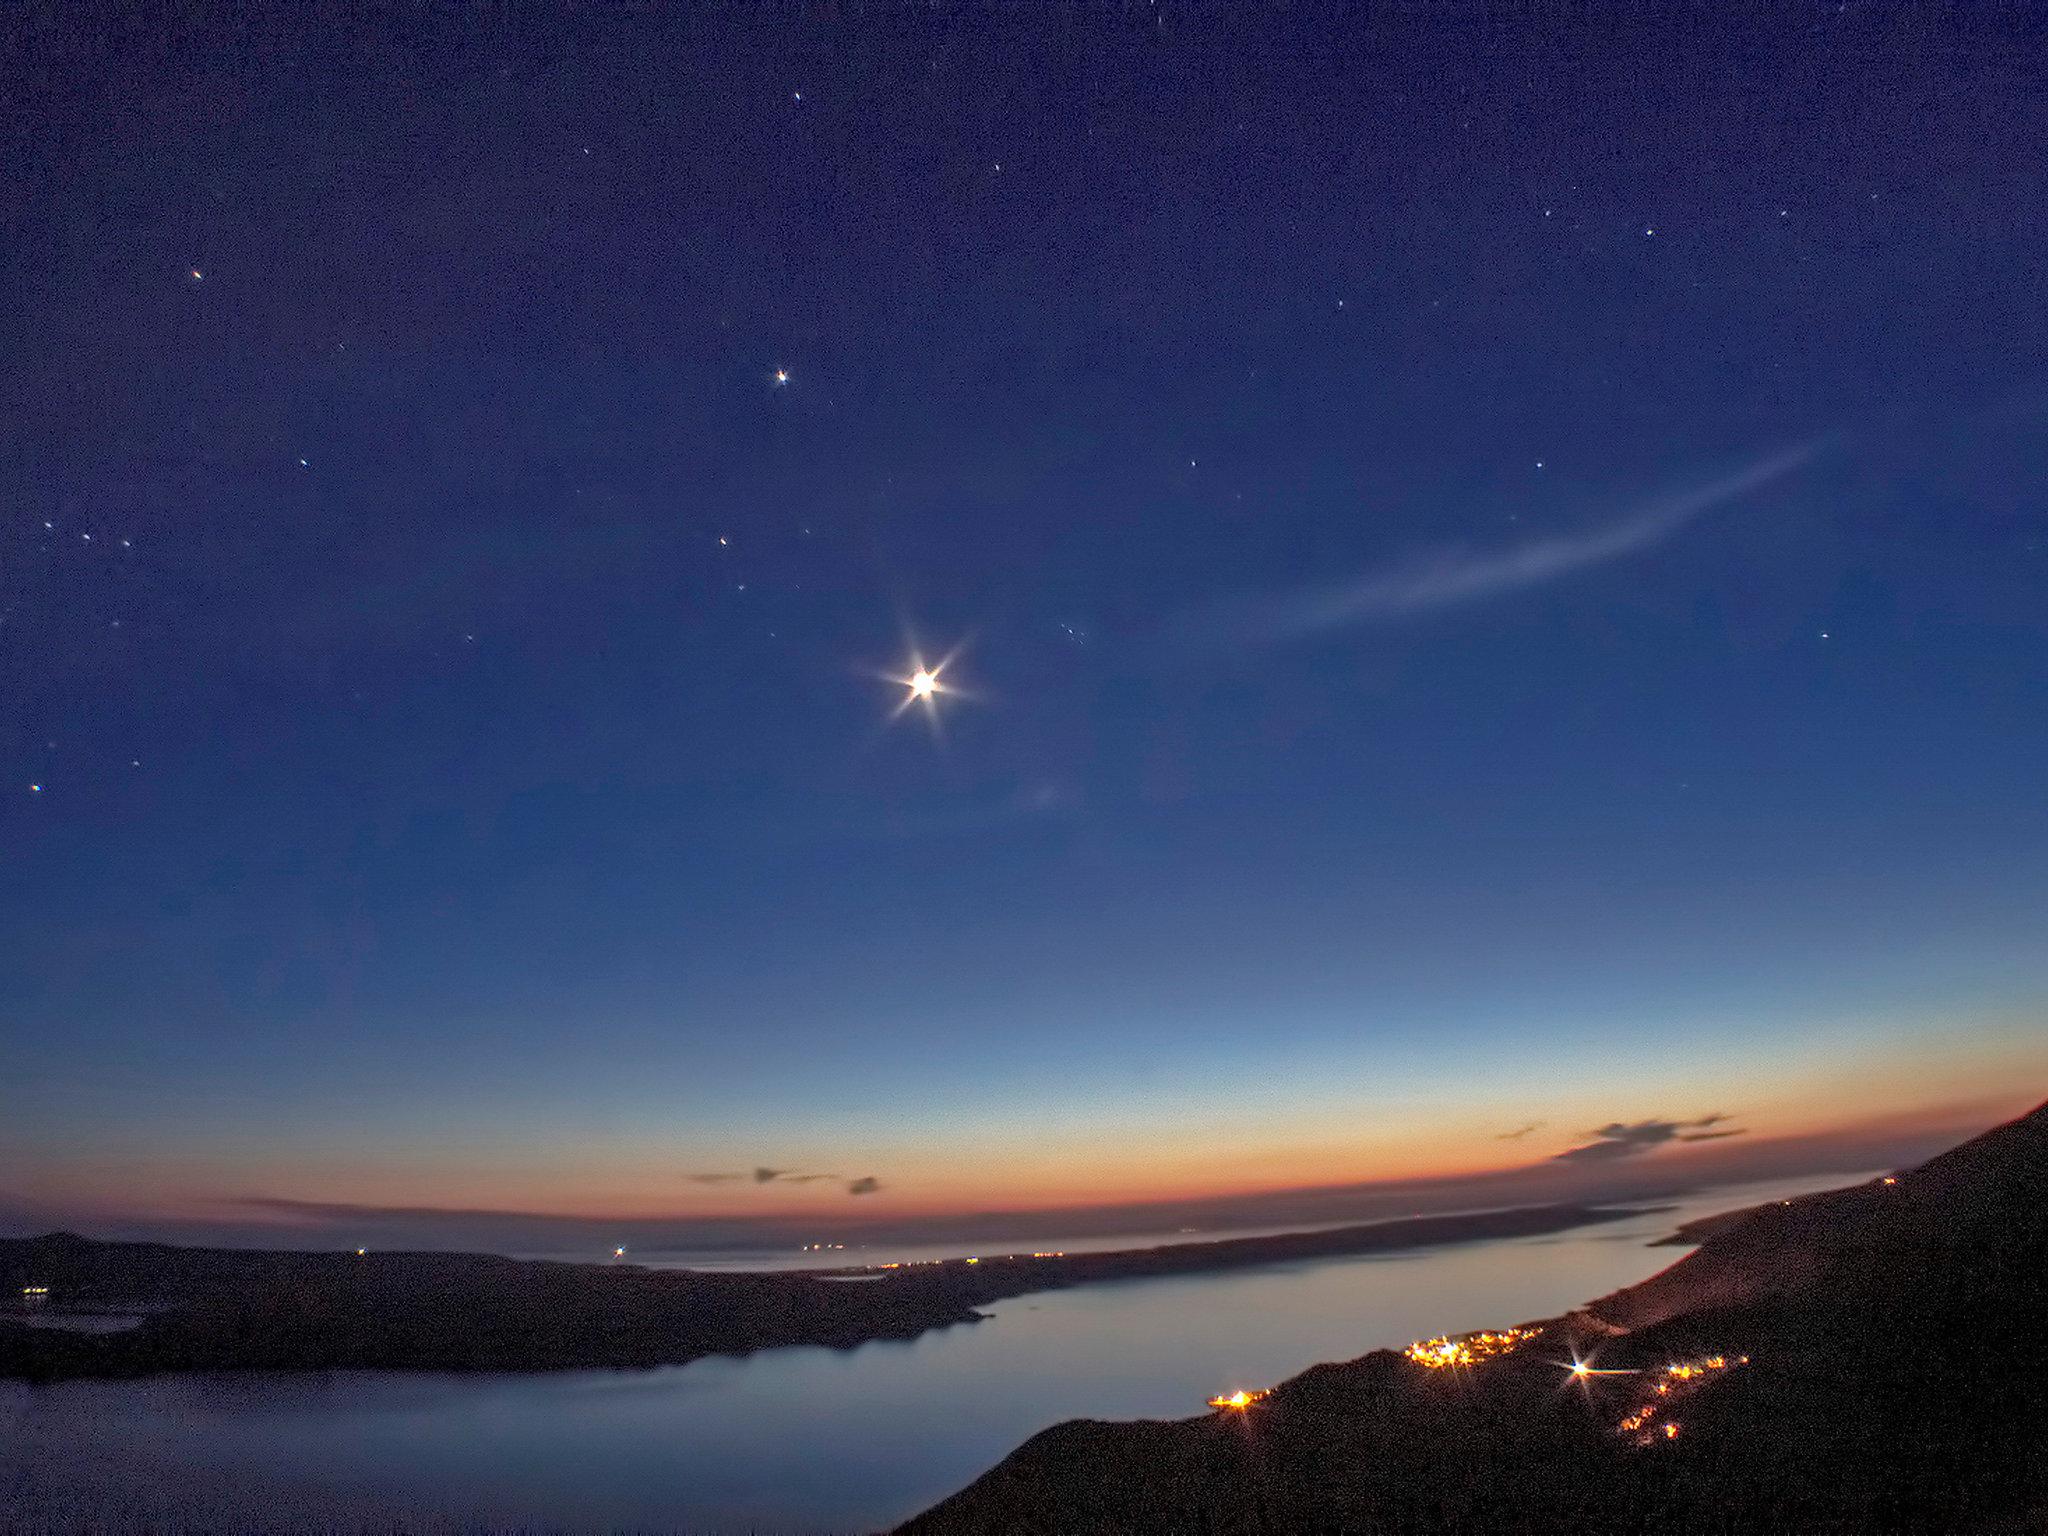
(796, 1439)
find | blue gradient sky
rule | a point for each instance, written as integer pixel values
(1412, 694)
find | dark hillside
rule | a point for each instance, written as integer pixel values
(1868, 1360)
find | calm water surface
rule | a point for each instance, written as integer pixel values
(789, 1440)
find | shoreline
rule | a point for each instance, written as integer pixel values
(269, 1309)
(1775, 1378)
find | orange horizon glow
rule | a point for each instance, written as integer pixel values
(166, 1190)
(1152, 1164)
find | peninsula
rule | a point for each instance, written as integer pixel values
(196, 1309)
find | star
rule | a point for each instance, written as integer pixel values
(782, 376)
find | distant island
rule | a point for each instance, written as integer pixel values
(1870, 1359)
(89, 1308)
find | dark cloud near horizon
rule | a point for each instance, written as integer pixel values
(1616, 1140)
(861, 1186)
(1517, 1135)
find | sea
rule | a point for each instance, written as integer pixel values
(796, 1440)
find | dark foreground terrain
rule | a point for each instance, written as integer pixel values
(1874, 1359)
(227, 1308)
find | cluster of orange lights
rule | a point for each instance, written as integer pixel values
(1674, 1382)
(1239, 1400)
(1443, 1352)
(924, 1263)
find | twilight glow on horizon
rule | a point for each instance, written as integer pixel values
(799, 637)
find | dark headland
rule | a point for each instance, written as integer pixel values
(1873, 1359)
(229, 1308)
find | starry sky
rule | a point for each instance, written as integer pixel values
(1488, 584)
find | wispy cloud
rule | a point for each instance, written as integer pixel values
(1452, 577)
(1617, 1140)
(1520, 1132)
(860, 1186)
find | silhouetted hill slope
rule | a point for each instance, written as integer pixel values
(1870, 1360)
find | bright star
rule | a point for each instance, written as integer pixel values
(782, 375)
(924, 683)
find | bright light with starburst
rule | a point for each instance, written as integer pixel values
(924, 684)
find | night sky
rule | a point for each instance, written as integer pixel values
(1495, 576)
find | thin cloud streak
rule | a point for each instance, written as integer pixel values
(865, 1185)
(1617, 1140)
(1450, 578)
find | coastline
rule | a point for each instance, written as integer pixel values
(1775, 1378)
(261, 1309)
